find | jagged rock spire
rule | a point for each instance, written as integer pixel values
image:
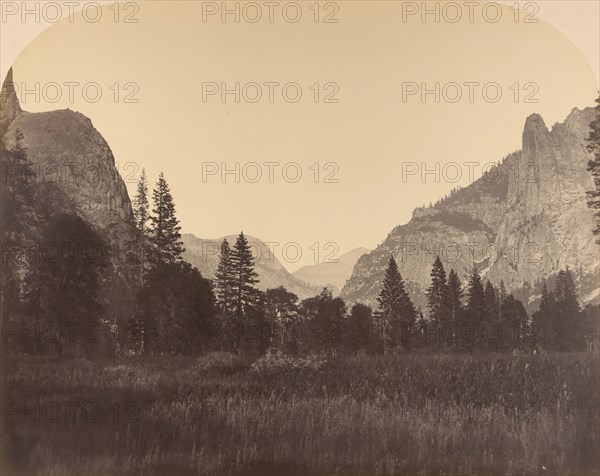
(9, 103)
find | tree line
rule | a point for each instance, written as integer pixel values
(477, 317)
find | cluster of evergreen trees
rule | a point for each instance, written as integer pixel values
(560, 322)
(489, 319)
(171, 298)
(481, 317)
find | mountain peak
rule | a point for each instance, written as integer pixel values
(534, 134)
(9, 103)
(534, 122)
(579, 119)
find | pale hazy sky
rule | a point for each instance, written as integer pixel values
(367, 135)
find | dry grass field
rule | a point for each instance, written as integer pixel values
(364, 415)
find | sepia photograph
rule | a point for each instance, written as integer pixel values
(300, 238)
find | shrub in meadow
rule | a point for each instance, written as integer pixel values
(222, 362)
(276, 362)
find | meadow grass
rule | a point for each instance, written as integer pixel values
(365, 415)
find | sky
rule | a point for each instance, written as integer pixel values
(360, 134)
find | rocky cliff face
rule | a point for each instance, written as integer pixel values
(74, 173)
(547, 217)
(521, 222)
(70, 156)
(204, 255)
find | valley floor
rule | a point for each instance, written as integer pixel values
(212, 415)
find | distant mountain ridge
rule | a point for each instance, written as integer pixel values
(521, 222)
(332, 274)
(204, 254)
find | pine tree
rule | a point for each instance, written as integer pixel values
(438, 294)
(165, 231)
(224, 279)
(141, 209)
(137, 249)
(389, 302)
(163, 300)
(244, 276)
(455, 294)
(475, 295)
(140, 326)
(397, 314)
(475, 311)
(593, 146)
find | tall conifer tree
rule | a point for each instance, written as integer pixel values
(455, 294)
(475, 296)
(397, 314)
(224, 279)
(165, 230)
(140, 324)
(244, 276)
(438, 294)
(141, 209)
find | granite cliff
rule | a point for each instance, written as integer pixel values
(74, 171)
(522, 221)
